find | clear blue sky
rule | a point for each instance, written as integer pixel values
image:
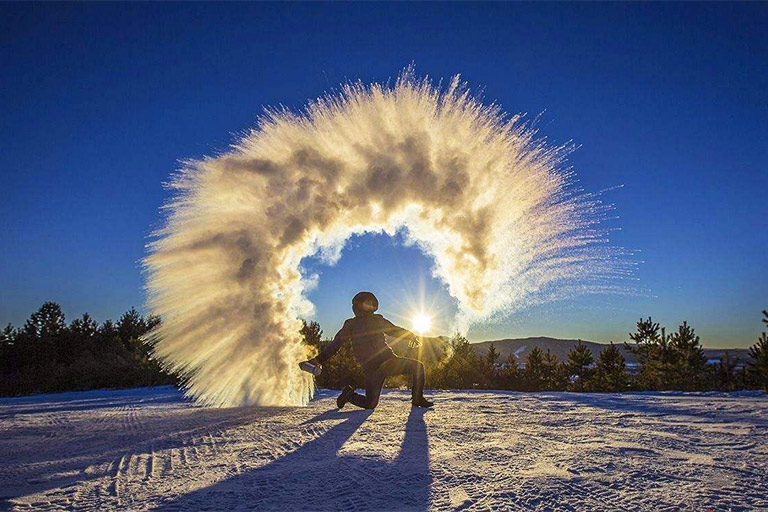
(99, 102)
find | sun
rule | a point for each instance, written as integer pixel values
(421, 323)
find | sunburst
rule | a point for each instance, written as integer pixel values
(421, 323)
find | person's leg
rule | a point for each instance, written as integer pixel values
(374, 381)
(404, 365)
(345, 396)
(358, 400)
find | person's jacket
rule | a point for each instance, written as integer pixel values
(368, 344)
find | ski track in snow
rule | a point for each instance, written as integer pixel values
(150, 449)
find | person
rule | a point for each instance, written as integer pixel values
(366, 332)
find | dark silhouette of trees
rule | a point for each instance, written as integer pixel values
(758, 364)
(553, 375)
(725, 375)
(492, 356)
(312, 334)
(668, 362)
(610, 370)
(462, 369)
(510, 375)
(651, 350)
(579, 366)
(49, 355)
(689, 365)
(533, 375)
(491, 372)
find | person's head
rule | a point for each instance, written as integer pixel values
(364, 303)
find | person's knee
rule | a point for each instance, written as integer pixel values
(411, 365)
(371, 403)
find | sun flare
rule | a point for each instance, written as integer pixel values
(421, 323)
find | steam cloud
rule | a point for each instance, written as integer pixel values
(494, 205)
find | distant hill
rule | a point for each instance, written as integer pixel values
(521, 347)
(433, 349)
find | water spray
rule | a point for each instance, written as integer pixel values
(493, 204)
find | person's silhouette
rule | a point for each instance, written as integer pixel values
(366, 332)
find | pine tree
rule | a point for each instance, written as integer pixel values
(7, 336)
(46, 323)
(41, 335)
(312, 334)
(8, 355)
(464, 366)
(131, 327)
(552, 375)
(491, 356)
(489, 367)
(611, 370)
(725, 376)
(690, 364)
(510, 374)
(534, 370)
(84, 327)
(654, 355)
(47, 355)
(579, 366)
(758, 354)
(80, 337)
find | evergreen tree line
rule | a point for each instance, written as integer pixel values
(48, 354)
(664, 362)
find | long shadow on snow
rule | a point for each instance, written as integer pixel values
(316, 477)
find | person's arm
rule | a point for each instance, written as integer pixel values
(398, 332)
(335, 345)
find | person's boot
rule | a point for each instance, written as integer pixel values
(345, 395)
(421, 402)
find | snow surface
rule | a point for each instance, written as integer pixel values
(151, 449)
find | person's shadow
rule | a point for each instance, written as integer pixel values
(316, 477)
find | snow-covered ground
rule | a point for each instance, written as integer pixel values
(150, 449)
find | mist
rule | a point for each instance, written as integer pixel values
(494, 205)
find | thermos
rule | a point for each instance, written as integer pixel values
(310, 368)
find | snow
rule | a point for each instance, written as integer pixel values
(151, 449)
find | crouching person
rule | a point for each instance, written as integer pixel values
(366, 333)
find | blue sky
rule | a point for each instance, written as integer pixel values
(99, 102)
